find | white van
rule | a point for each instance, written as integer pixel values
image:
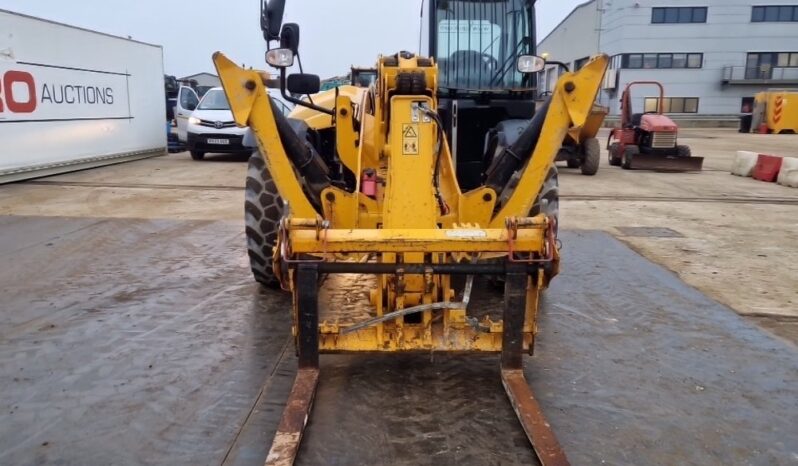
(206, 125)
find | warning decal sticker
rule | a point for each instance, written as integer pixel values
(410, 139)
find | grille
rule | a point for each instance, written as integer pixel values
(663, 140)
(212, 124)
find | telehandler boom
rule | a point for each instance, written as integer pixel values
(365, 189)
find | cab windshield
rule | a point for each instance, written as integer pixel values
(478, 42)
(214, 100)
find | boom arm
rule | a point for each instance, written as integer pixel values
(567, 112)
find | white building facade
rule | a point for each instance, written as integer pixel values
(712, 56)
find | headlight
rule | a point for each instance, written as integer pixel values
(193, 121)
(280, 58)
(530, 64)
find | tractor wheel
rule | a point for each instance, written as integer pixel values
(197, 155)
(573, 162)
(628, 155)
(614, 155)
(263, 209)
(592, 158)
(683, 151)
(548, 200)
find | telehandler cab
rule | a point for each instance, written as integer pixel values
(391, 190)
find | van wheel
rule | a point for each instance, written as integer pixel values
(197, 155)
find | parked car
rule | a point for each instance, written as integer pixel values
(207, 126)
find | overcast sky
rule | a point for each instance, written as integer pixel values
(190, 31)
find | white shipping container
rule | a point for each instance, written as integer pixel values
(71, 98)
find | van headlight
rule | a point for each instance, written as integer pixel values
(194, 120)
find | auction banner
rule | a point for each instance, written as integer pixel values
(44, 92)
(71, 98)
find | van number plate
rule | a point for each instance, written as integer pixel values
(223, 142)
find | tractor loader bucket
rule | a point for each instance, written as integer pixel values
(593, 122)
(666, 163)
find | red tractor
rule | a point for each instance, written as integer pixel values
(648, 140)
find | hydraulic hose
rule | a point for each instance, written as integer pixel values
(512, 158)
(303, 156)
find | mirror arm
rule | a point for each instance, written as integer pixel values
(300, 102)
(560, 64)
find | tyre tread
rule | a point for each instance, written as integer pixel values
(262, 212)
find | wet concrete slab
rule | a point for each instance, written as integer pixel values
(145, 342)
(129, 342)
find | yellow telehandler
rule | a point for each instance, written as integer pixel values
(392, 190)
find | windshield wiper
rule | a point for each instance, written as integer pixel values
(509, 62)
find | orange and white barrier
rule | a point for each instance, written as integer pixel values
(788, 175)
(744, 163)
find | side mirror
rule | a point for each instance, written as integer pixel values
(191, 106)
(303, 83)
(280, 58)
(289, 37)
(530, 64)
(271, 18)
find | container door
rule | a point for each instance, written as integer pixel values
(187, 101)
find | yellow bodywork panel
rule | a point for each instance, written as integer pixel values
(414, 240)
(409, 199)
(346, 139)
(326, 99)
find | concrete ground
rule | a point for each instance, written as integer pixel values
(131, 332)
(734, 238)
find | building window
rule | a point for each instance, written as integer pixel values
(649, 61)
(578, 64)
(661, 60)
(759, 65)
(672, 105)
(686, 14)
(776, 13)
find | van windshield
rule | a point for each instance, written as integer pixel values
(214, 100)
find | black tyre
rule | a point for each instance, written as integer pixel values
(628, 154)
(684, 151)
(614, 155)
(590, 164)
(263, 209)
(548, 200)
(573, 162)
(197, 155)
